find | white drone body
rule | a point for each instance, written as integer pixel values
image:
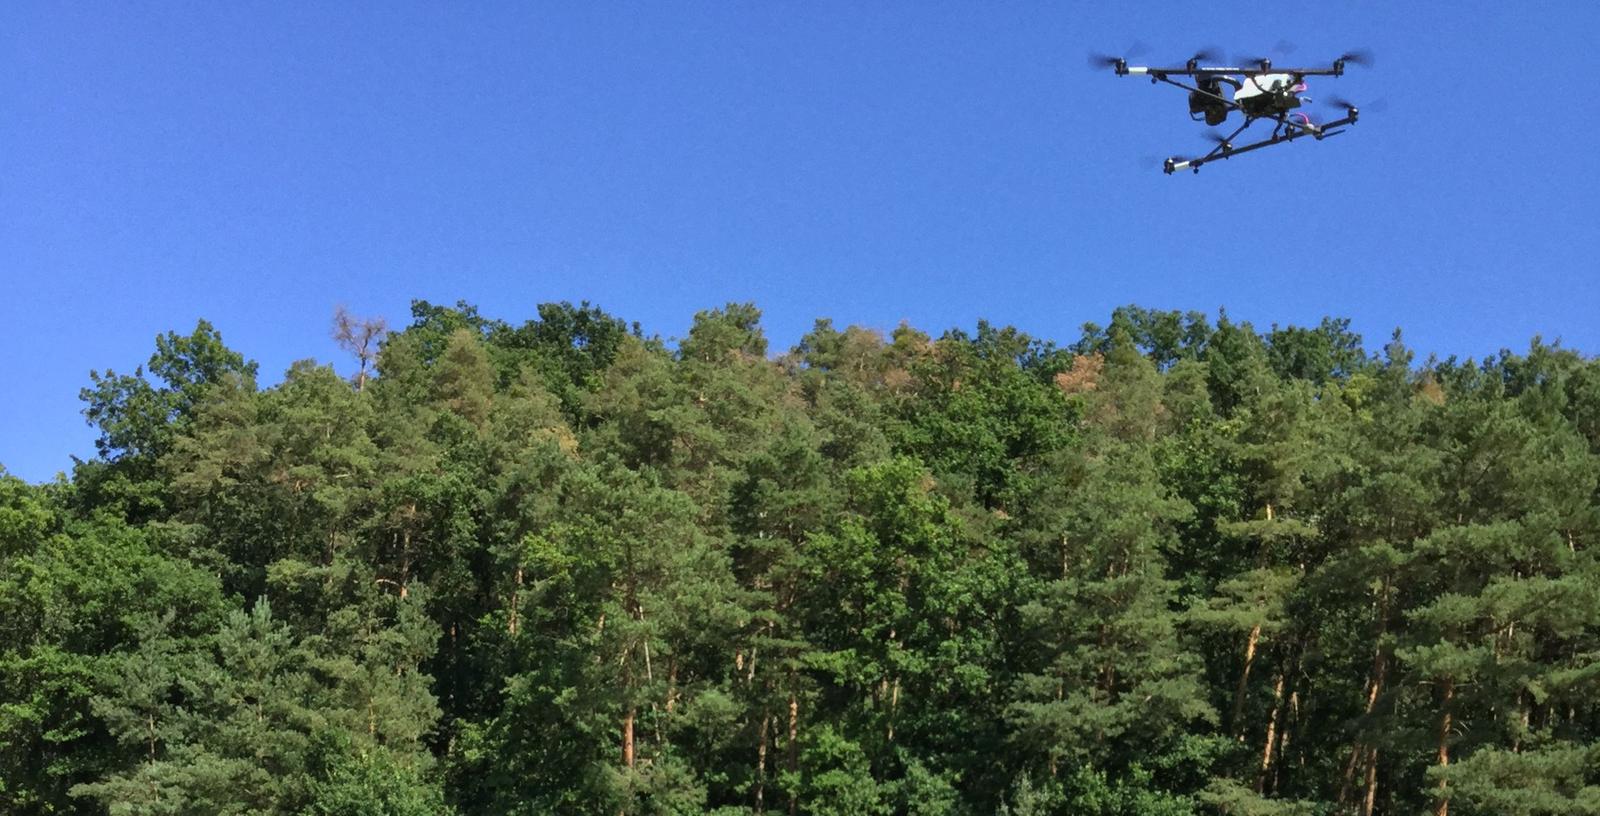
(1259, 84)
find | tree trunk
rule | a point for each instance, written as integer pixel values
(627, 739)
(894, 705)
(1371, 797)
(1448, 695)
(793, 743)
(1244, 681)
(761, 762)
(1380, 669)
(1272, 733)
(1291, 719)
(516, 601)
(672, 683)
(1054, 763)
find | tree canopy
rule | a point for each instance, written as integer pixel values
(1177, 566)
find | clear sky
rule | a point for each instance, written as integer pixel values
(257, 164)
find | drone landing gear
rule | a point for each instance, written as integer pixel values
(1284, 131)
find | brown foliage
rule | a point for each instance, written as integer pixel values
(1083, 377)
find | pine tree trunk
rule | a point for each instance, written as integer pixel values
(672, 683)
(1244, 681)
(891, 690)
(761, 761)
(1291, 719)
(1374, 689)
(405, 557)
(1348, 778)
(1448, 695)
(894, 705)
(793, 744)
(1054, 763)
(516, 601)
(1371, 798)
(1272, 732)
(627, 739)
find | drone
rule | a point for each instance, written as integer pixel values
(1254, 89)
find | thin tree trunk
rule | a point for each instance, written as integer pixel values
(890, 690)
(1272, 733)
(1348, 778)
(405, 556)
(1371, 798)
(672, 683)
(1291, 719)
(1524, 716)
(1449, 694)
(1244, 681)
(793, 743)
(894, 705)
(761, 762)
(1054, 763)
(1374, 689)
(516, 601)
(627, 739)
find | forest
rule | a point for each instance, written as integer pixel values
(1174, 566)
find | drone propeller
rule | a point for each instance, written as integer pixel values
(1283, 49)
(1375, 106)
(1219, 139)
(1098, 60)
(1359, 56)
(1206, 54)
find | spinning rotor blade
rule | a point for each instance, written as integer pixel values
(1375, 106)
(1098, 60)
(1206, 54)
(1283, 49)
(1358, 56)
(1215, 136)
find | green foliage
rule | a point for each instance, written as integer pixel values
(372, 781)
(1177, 567)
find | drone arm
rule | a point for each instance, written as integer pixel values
(1224, 151)
(1225, 144)
(1162, 77)
(1226, 69)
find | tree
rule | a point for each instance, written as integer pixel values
(361, 337)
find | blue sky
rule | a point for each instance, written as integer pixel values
(257, 164)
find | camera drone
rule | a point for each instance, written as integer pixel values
(1255, 89)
